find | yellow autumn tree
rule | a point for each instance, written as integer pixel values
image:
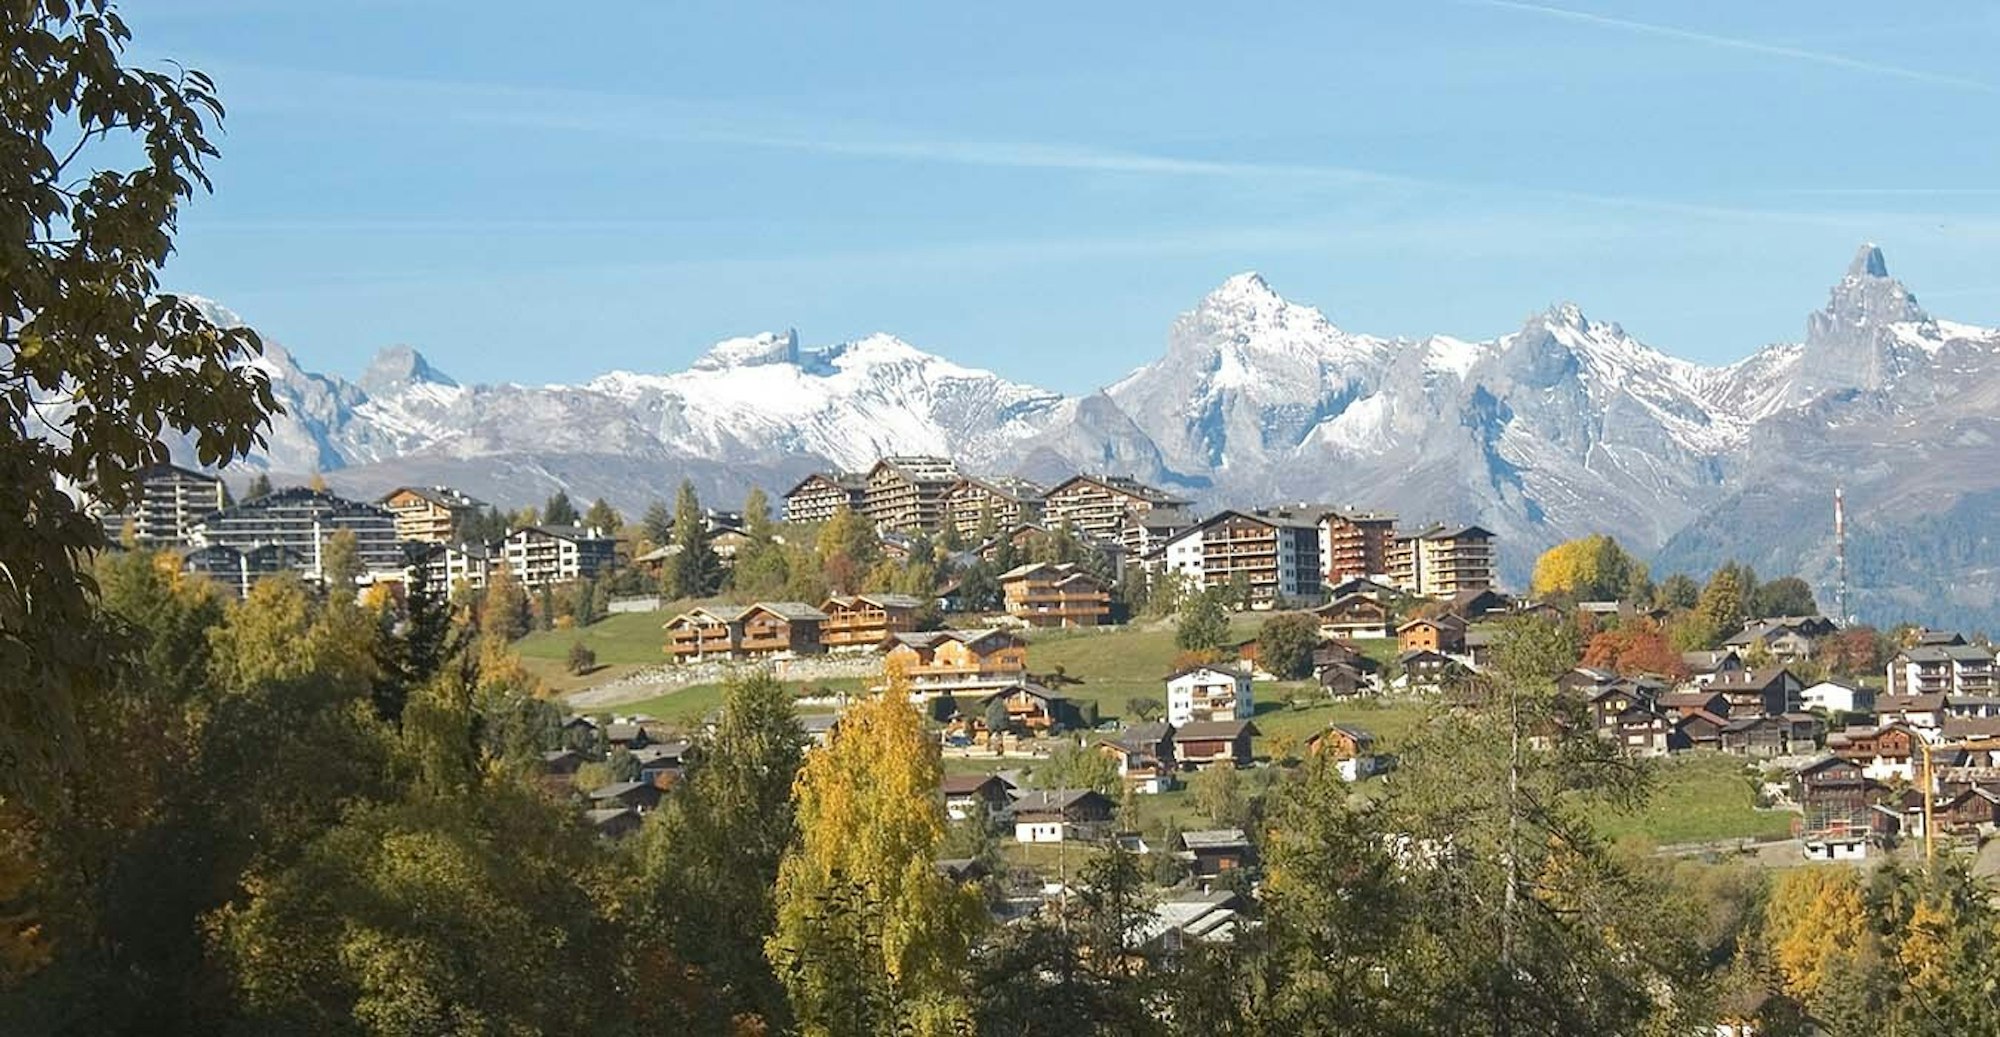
(1589, 568)
(863, 917)
(1817, 921)
(1924, 949)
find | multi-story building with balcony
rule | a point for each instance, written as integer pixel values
(1441, 561)
(539, 555)
(1204, 694)
(1043, 594)
(1273, 557)
(1003, 502)
(953, 660)
(704, 633)
(907, 494)
(1100, 506)
(1147, 531)
(301, 520)
(1355, 543)
(818, 497)
(1951, 669)
(864, 622)
(428, 514)
(447, 566)
(237, 571)
(168, 503)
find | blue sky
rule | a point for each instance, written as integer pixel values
(1040, 188)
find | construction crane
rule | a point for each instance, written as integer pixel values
(1930, 781)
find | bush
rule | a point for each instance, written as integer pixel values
(582, 659)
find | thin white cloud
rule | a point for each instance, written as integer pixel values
(1816, 57)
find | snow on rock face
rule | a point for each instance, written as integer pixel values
(1564, 426)
(753, 351)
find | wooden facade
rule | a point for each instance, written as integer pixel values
(1055, 595)
(865, 621)
(1353, 616)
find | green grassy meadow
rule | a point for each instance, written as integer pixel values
(1697, 799)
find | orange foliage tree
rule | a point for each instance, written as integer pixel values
(1635, 648)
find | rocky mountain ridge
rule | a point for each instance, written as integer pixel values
(1565, 426)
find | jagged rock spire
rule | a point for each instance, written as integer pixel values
(1868, 263)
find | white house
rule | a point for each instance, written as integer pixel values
(1208, 693)
(1060, 815)
(1839, 697)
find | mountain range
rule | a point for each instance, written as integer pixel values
(1566, 426)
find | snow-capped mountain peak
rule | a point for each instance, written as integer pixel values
(751, 351)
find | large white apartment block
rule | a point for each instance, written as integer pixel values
(538, 555)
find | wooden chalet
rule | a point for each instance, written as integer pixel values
(1697, 730)
(1771, 691)
(1706, 667)
(767, 629)
(861, 622)
(1211, 853)
(703, 633)
(780, 628)
(1207, 743)
(1144, 755)
(1834, 796)
(1043, 594)
(957, 658)
(1884, 752)
(1352, 748)
(1425, 670)
(970, 796)
(1641, 731)
(1755, 735)
(1443, 634)
(1692, 701)
(1478, 603)
(1353, 615)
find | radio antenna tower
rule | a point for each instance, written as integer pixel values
(1840, 550)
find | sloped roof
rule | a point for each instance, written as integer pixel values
(1215, 839)
(790, 610)
(1205, 730)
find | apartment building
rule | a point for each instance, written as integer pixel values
(1004, 501)
(907, 494)
(1148, 531)
(237, 570)
(301, 520)
(1356, 543)
(428, 514)
(1055, 595)
(169, 502)
(1440, 561)
(1274, 555)
(538, 555)
(1206, 694)
(819, 496)
(450, 565)
(1948, 668)
(1099, 506)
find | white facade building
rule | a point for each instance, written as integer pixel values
(1208, 693)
